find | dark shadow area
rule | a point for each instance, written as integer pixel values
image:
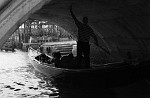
(125, 85)
(86, 93)
(105, 77)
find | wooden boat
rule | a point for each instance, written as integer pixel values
(107, 75)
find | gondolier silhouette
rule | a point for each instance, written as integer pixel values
(84, 34)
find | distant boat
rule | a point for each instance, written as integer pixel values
(5, 48)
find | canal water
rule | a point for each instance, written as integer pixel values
(18, 79)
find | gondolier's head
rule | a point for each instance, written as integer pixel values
(85, 20)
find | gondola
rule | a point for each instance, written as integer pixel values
(106, 75)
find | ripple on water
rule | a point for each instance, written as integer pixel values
(18, 79)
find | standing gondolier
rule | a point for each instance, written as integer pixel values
(84, 34)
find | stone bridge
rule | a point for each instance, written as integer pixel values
(121, 25)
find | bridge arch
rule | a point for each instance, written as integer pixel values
(14, 14)
(122, 26)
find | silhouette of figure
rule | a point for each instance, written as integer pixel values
(129, 56)
(56, 59)
(67, 61)
(84, 34)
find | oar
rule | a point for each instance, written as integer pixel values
(106, 51)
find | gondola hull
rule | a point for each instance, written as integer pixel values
(106, 75)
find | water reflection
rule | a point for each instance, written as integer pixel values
(101, 93)
(84, 92)
(20, 80)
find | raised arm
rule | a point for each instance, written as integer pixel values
(73, 16)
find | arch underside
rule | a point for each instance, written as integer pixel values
(120, 25)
